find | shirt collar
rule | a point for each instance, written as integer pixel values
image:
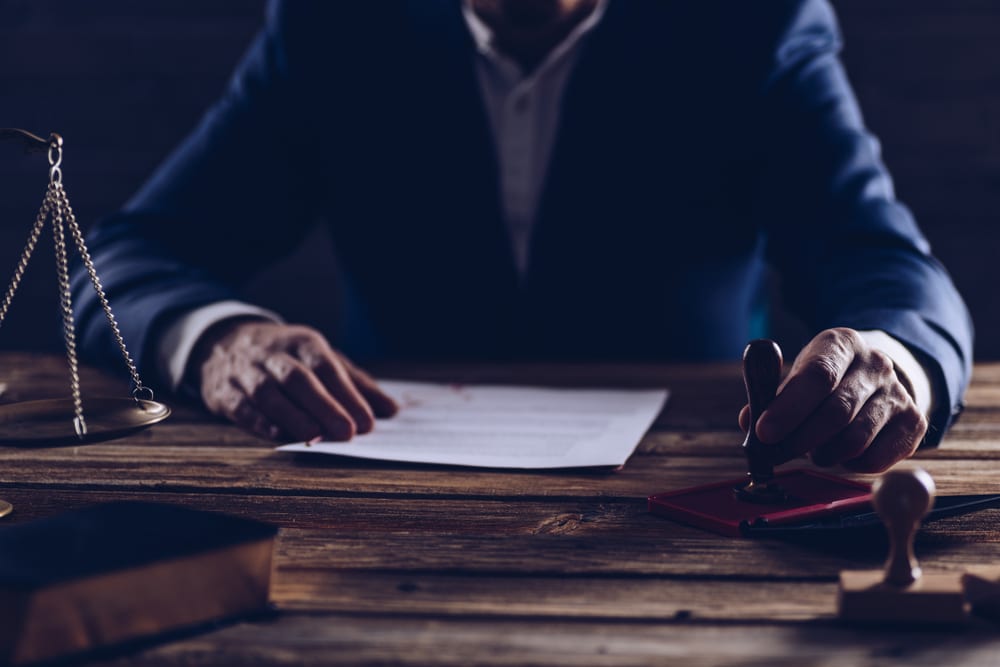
(482, 34)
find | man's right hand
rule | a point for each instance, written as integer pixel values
(285, 382)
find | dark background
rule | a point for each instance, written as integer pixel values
(124, 81)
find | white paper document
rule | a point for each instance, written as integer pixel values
(504, 426)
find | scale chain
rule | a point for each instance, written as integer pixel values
(74, 228)
(29, 248)
(66, 300)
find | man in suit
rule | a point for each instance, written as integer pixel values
(542, 179)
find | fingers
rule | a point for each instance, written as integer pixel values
(857, 437)
(842, 403)
(281, 398)
(839, 410)
(243, 413)
(305, 390)
(233, 403)
(816, 373)
(894, 443)
(333, 375)
(381, 403)
(281, 381)
(265, 393)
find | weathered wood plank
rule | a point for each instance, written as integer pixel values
(360, 516)
(342, 639)
(661, 549)
(262, 470)
(648, 599)
(166, 467)
(505, 538)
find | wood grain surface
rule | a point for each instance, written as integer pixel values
(384, 563)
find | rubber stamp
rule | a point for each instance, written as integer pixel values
(763, 497)
(902, 592)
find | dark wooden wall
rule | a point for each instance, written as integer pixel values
(927, 73)
(123, 81)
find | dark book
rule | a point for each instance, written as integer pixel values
(110, 573)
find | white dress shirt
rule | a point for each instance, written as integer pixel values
(523, 112)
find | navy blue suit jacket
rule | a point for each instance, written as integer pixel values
(697, 141)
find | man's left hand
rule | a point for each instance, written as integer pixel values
(842, 403)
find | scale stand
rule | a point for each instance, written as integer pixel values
(61, 420)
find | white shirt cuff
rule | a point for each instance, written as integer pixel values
(905, 362)
(179, 339)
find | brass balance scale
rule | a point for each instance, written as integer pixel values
(61, 420)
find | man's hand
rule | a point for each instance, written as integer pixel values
(842, 402)
(285, 382)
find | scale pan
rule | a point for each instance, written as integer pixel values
(50, 421)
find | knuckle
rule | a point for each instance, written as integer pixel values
(914, 426)
(249, 338)
(284, 369)
(840, 338)
(829, 336)
(218, 358)
(910, 447)
(313, 350)
(824, 372)
(923, 424)
(217, 384)
(846, 337)
(225, 402)
(278, 367)
(904, 439)
(880, 363)
(902, 395)
(311, 357)
(875, 415)
(232, 402)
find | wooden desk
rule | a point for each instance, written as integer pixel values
(411, 565)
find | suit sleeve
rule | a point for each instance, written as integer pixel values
(848, 253)
(234, 196)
